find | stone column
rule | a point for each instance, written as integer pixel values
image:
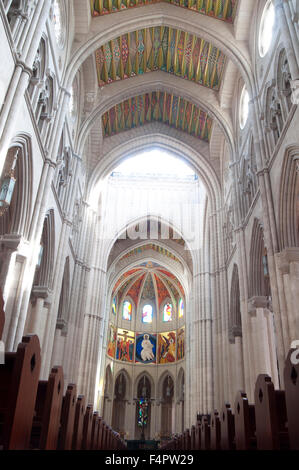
(39, 313)
(263, 339)
(59, 342)
(290, 39)
(21, 76)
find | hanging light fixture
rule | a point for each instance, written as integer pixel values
(7, 187)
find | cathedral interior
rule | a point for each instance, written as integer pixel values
(149, 199)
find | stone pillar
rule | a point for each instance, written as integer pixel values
(264, 348)
(37, 321)
(21, 76)
(59, 342)
(288, 265)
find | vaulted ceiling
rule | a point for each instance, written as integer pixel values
(169, 73)
(148, 281)
(160, 48)
(221, 9)
(161, 107)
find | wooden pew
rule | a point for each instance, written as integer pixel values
(18, 386)
(48, 404)
(198, 435)
(205, 433)
(78, 425)
(187, 440)
(67, 418)
(94, 431)
(227, 428)
(2, 314)
(244, 423)
(215, 431)
(270, 415)
(87, 425)
(100, 434)
(193, 438)
(291, 380)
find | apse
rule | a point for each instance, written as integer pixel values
(146, 338)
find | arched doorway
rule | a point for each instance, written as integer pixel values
(143, 408)
(167, 409)
(119, 405)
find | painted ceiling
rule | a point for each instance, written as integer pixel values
(149, 282)
(160, 48)
(157, 107)
(221, 9)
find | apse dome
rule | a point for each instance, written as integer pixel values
(147, 316)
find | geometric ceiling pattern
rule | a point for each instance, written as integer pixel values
(157, 107)
(221, 9)
(160, 48)
(150, 283)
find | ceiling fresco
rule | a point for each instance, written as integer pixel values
(160, 48)
(156, 284)
(158, 107)
(224, 10)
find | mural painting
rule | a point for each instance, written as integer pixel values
(181, 344)
(125, 345)
(111, 341)
(145, 348)
(166, 347)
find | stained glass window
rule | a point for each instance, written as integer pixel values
(181, 308)
(147, 314)
(167, 312)
(266, 28)
(114, 305)
(127, 310)
(142, 405)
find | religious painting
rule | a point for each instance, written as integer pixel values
(125, 345)
(166, 347)
(146, 348)
(111, 341)
(181, 344)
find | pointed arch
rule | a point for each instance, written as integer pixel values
(44, 271)
(258, 268)
(64, 292)
(128, 382)
(16, 220)
(289, 204)
(234, 320)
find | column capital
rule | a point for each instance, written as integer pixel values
(286, 257)
(257, 302)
